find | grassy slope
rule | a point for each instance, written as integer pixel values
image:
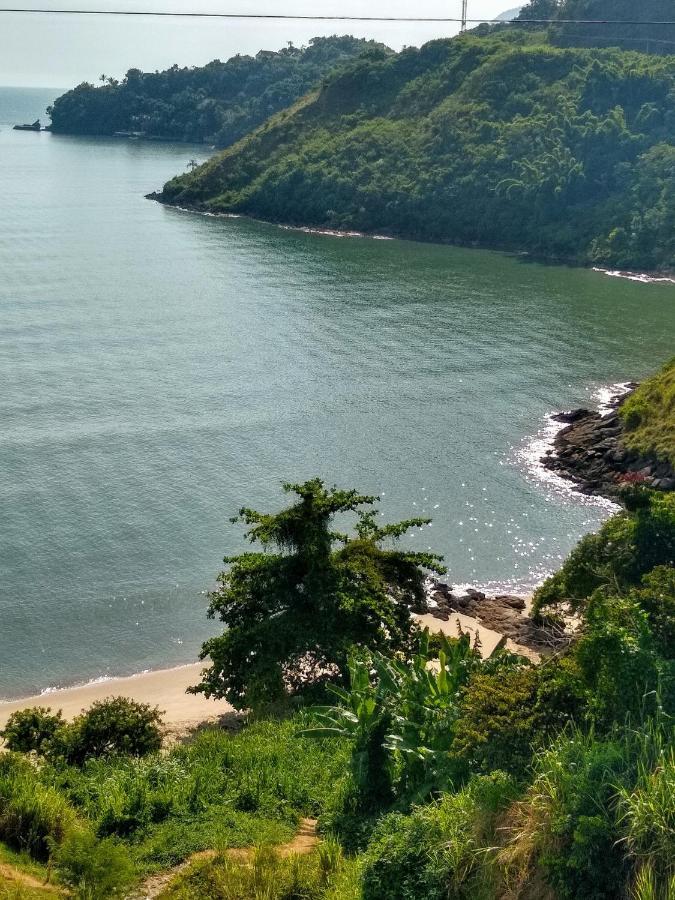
(499, 140)
(21, 878)
(649, 415)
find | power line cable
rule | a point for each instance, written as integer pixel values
(326, 18)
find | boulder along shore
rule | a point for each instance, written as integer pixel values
(590, 451)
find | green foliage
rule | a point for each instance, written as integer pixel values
(33, 816)
(657, 598)
(117, 725)
(217, 103)
(617, 660)
(649, 413)
(401, 720)
(219, 790)
(646, 38)
(572, 825)
(31, 729)
(648, 821)
(504, 715)
(499, 139)
(95, 870)
(294, 612)
(267, 876)
(437, 851)
(627, 547)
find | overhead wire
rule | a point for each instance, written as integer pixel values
(190, 14)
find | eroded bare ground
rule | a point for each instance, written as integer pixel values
(305, 840)
(11, 877)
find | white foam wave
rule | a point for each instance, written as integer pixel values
(606, 397)
(640, 277)
(529, 456)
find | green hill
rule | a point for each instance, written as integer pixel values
(649, 416)
(217, 103)
(501, 140)
(648, 38)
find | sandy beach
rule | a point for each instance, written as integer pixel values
(164, 688)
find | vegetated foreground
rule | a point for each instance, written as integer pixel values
(433, 773)
(499, 139)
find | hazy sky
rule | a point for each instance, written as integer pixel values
(61, 51)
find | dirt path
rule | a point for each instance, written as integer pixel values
(305, 840)
(10, 875)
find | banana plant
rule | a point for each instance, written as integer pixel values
(363, 716)
(399, 714)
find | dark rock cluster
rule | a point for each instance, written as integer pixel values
(503, 613)
(590, 452)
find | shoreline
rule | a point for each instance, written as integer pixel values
(635, 275)
(165, 688)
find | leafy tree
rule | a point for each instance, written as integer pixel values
(295, 610)
(115, 726)
(31, 729)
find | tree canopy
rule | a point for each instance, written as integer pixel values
(217, 103)
(295, 610)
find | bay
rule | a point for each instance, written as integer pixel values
(159, 369)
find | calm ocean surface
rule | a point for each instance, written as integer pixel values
(158, 369)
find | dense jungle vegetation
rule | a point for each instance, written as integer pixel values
(433, 773)
(496, 138)
(217, 103)
(645, 38)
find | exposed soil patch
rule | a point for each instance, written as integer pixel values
(11, 876)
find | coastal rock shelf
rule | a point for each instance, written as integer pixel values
(590, 451)
(505, 615)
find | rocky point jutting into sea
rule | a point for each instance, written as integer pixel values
(590, 451)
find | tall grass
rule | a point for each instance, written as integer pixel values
(648, 823)
(590, 802)
(265, 876)
(33, 816)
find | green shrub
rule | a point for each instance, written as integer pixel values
(435, 853)
(617, 661)
(116, 726)
(32, 729)
(503, 715)
(627, 547)
(95, 870)
(33, 816)
(657, 598)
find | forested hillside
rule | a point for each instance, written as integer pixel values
(578, 32)
(501, 140)
(217, 103)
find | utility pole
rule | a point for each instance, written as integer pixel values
(465, 4)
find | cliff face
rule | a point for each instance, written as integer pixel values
(501, 140)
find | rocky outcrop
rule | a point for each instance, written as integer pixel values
(506, 614)
(590, 452)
